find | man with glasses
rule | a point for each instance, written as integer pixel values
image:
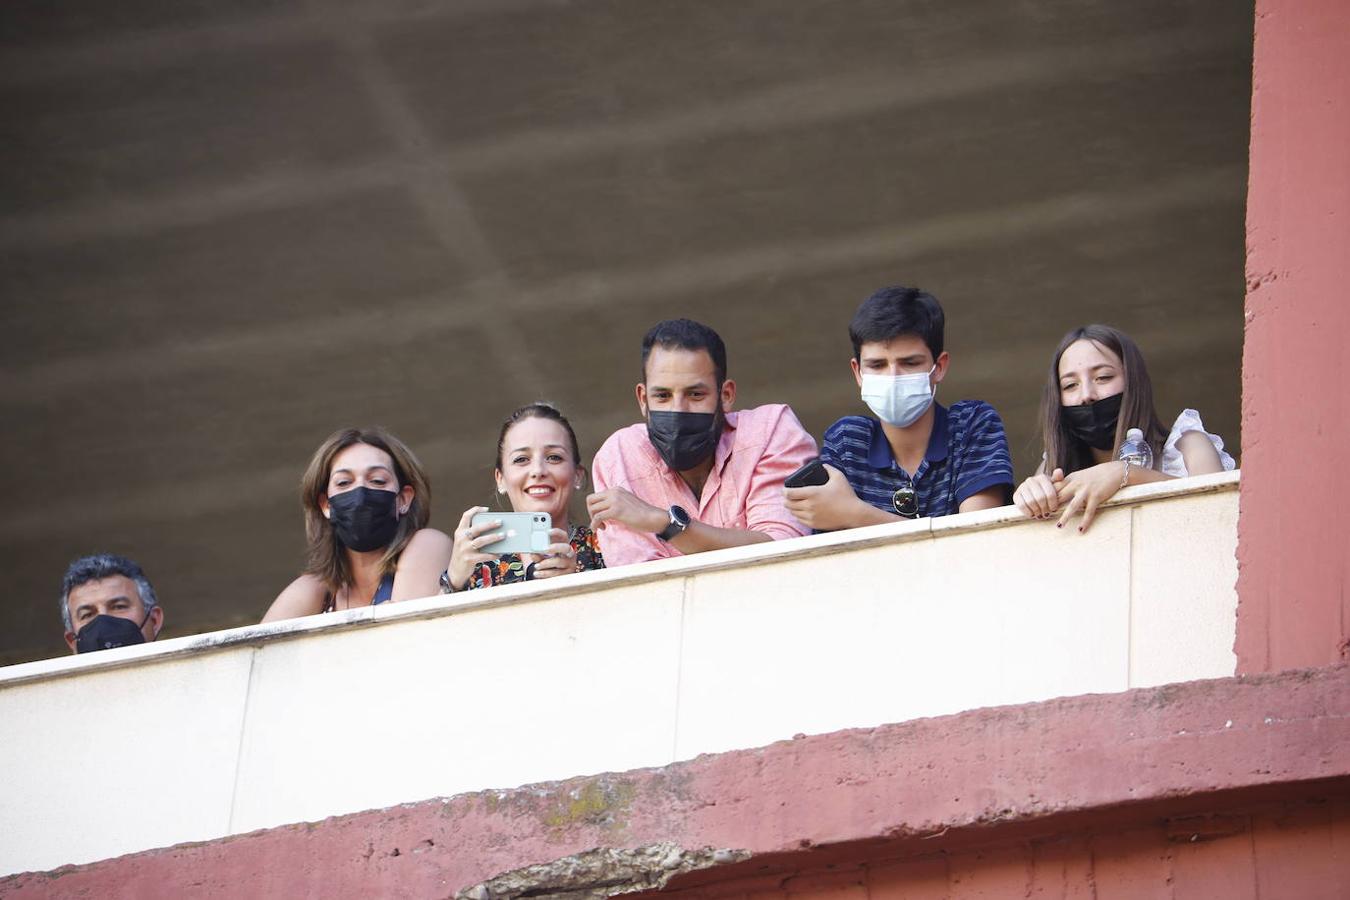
(917, 458)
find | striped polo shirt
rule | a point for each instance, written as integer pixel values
(967, 453)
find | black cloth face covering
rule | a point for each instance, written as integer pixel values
(104, 632)
(1094, 423)
(684, 439)
(364, 518)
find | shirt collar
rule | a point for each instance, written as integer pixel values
(724, 442)
(879, 455)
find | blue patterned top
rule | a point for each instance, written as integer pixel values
(967, 453)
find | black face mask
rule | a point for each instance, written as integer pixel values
(1095, 423)
(684, 439)
(104, 632)
(363, 518)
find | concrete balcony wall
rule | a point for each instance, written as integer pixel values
(200, 737)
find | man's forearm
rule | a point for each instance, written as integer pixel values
(989, 498)
(699, 537)
(867, 514)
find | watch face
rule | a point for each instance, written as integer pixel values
(679, 516)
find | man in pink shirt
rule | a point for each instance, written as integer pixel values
(695, 476)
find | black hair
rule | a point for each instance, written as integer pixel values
(896, 310)
(686, 334)
(538, 410)
(96, 568)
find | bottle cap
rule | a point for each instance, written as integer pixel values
(1134, 434)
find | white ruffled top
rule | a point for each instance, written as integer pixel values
(1172, 462)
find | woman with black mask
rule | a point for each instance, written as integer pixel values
(1097, 390)
(366, 503)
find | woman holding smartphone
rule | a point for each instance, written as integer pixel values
(538, 469)
(366, 503)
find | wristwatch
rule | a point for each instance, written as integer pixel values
(679, 521)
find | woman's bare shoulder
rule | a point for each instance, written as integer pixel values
(304, 596)
(432, 537)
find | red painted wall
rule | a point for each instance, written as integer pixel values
(1288, 852)
(1294, 531)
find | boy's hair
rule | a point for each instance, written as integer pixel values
(896, 310)
(686, 334)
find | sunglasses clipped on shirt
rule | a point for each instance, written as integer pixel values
(905, 500)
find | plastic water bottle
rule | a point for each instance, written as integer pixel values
(1136, 450)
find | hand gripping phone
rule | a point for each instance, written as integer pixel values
(813, 474)
(525, 532)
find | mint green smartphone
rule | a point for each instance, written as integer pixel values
(525, 532)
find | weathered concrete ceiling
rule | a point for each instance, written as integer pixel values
(230, 229)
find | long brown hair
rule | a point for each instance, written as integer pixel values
(1062, 449)
(324, 554)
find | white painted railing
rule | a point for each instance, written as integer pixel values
(200, 737)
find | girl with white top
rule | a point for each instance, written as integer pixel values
(1098, 389)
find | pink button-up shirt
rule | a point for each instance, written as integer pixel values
(759, 448)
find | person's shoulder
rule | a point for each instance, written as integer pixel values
(848, 441)
(304, 596)
(853, 423)
(968, 409)
(428, 539)
(306, 584)
(768, 416)
(851, 428)
(772, 425)
(637, 431)
(778, 432)
(621, 444)
(1190, 423)
(974, 415)
(1188, 420)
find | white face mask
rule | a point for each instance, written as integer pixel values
(898, 400)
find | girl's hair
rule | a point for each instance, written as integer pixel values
(1062, 449)
(537, 410)
(324, 556)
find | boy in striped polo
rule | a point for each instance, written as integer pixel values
(917, 458)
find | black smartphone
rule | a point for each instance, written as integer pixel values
(813, 474)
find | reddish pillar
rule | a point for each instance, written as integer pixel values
(1294, 533)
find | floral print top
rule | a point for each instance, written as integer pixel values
(510, 568)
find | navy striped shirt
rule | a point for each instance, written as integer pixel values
(967, 453)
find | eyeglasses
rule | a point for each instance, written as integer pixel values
(906, 501)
